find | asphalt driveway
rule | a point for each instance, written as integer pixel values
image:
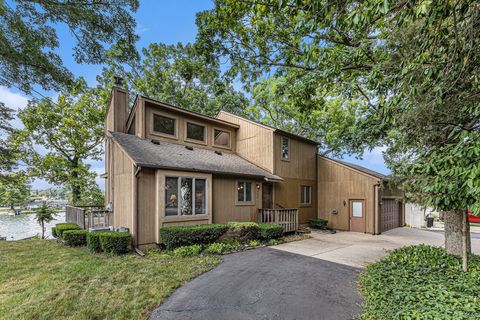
(267, 284)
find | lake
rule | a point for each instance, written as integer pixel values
(25, 226)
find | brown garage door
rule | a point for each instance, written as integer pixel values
(390, 214)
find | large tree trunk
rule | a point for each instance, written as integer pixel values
(75, 187)
(457, 234)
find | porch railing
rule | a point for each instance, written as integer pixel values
(287, 218)
(88, 216)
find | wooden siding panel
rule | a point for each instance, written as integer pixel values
(224, 207)
(146, 206)
(336, 185)
(254, 141)
(302, 162)
(287, 195)
(122, 188)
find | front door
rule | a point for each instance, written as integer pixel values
(267, 195)
(357, 215)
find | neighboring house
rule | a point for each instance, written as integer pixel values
(170, 166)
(415, 215)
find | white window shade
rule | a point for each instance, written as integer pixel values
(357, 209)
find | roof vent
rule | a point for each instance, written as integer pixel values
(155, 141)
(218, 152)
(189, 148)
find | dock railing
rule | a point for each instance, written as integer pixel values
(287, 218)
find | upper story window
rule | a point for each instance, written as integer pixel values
(195, 132)
(305, 195)
(164, 124)
(244, 192)
(221, 138)
(285, 148)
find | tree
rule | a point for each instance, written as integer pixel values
(71, 132)
(14, 190)
(44, 214)
(412, 64)
(8, 154)
(28, 38)
(177, 74)
(91, 194)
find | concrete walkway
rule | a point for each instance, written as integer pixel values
(358, 249)
(267, 284)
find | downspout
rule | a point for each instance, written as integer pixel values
(375, 208)
(135, 205)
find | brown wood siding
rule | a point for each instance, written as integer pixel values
(122, 183)
(336, 185)
(181, 122)
(254, 141)
(301, 163)
(287, 195)
(224, 207)
(146, 206)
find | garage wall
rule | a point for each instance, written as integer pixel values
(337, 184)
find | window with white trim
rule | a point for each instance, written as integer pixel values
(305, 195)
(185, 196)
(244, 191)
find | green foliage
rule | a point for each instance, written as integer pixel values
(44, 214)
(179, 75)
(421, 282)
(93, 242)
(116, 243)
(270, 231)
(29, 41)
(273, 242)
(75, 238)
(253, 243)
(61, 227)
(222, 247)
(178, 236)
(188, 251)
(54, 232)
(244, 231)
(14, 189)
(317, 223)
(71, 131)
(8, 152)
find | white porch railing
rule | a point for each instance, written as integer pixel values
(287, 218)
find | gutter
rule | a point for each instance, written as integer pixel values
(135, 204)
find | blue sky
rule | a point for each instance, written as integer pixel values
(157, 21)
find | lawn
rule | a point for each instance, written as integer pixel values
(421, 282)
(41, 279)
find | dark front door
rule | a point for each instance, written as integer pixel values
(267, 195)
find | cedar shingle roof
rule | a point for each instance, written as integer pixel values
(173, 156)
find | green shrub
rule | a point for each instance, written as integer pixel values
(115, 242)
(93, 241)
(54, 232)
(317, 223)
(179, 236)
(273, 242)
(188, 251)
(75, 238)
(270, 231)
(244, 231)
(421, 282)
(217, 248)
(62, 227)
(253, 243)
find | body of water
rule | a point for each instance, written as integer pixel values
(25, 226)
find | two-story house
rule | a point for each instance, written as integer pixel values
(166, 165)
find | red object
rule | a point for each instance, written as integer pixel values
(473, 218)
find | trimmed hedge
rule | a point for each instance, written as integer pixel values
(179, 236)
(317, 223)
(93, 241)
(60, 228)
(75, 238)
(115, 242)
(244, 230)
(54, 232)
(270, 231)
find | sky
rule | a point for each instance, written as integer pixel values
(157, 21)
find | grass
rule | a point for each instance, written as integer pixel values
(421, 282)
(41, 279)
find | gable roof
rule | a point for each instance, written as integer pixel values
(364, 170)
(174, 156)
(280, 131)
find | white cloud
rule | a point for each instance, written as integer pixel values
(12, 99)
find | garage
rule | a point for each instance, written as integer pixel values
(390, 214)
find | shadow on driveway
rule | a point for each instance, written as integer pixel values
(267, 284)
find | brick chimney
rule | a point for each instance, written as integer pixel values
(117, 113)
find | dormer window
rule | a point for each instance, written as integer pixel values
(195, 132)
(285, 148)
(163, 124)
(221, 138)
